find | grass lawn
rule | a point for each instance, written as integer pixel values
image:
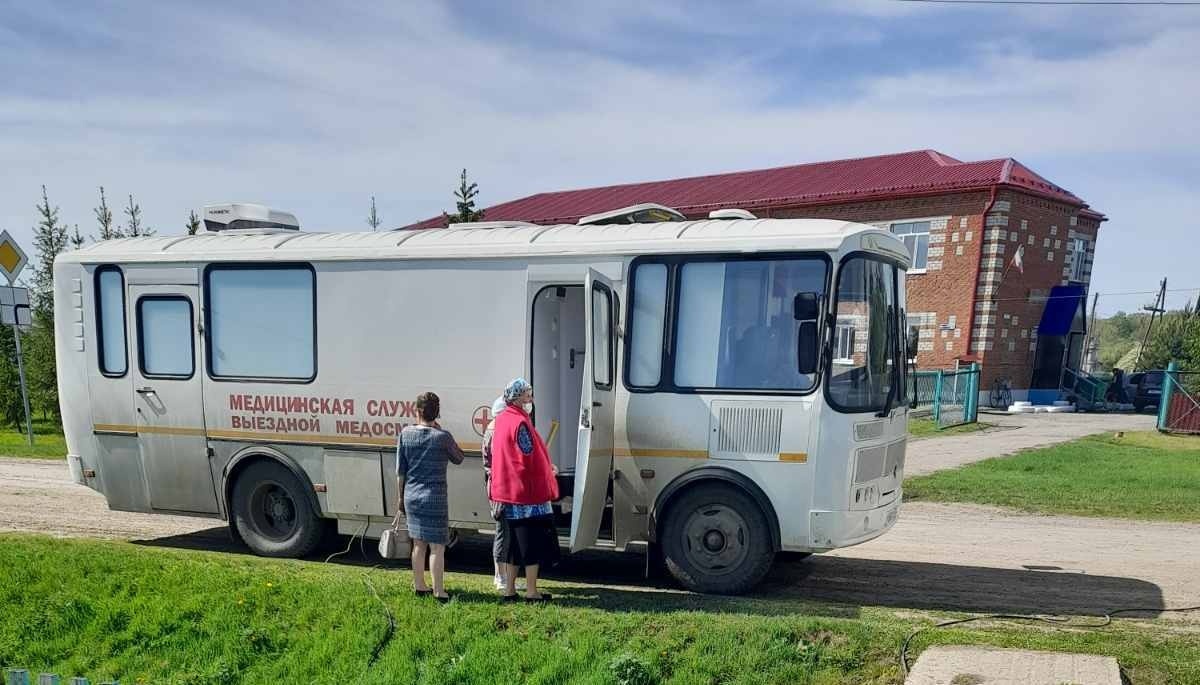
(48, 442)
(113, 610)
(927, 428)
(1142, 475)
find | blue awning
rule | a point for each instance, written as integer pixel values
(1060, 311)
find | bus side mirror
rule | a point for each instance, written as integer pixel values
(806, 347)
(806, 306)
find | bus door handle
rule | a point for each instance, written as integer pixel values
(146, 391)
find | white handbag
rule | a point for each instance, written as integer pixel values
(395, 542)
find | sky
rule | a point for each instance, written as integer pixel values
(313, 108)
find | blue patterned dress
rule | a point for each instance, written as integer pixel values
(422, 454)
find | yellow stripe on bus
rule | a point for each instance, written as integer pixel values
(796, 457)
(641, 452)
(262, 436)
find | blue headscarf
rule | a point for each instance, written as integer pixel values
(515, 389)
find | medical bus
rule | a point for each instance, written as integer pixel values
(713, 390)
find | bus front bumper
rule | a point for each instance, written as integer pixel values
(833, 529)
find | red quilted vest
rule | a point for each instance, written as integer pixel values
(521, 471)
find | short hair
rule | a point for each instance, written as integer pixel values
(429, 406)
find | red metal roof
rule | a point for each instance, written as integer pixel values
(920, 172)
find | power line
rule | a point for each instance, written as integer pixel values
(1078, 3)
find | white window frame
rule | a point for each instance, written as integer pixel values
(891, 226)
(1079, 247)
(844, 324)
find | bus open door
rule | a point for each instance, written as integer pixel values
(594, 452)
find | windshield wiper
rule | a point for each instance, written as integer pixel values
(891, 353)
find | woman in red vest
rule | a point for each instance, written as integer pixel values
(523, 483)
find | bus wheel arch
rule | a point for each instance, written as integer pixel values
(271, 503)
(704, 523)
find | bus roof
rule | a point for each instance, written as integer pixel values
(738, 235)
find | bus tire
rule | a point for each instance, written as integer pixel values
(272, 513)
(716, 539)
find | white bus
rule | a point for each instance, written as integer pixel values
(725, 389)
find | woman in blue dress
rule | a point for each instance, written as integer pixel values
(422, 453)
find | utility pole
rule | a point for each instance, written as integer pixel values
(1091, 341)
(1159, 308)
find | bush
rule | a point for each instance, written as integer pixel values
(628, 669)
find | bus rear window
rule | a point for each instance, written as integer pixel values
(110, 321)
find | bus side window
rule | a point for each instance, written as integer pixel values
(111, 350)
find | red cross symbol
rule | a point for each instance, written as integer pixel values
(480, 420)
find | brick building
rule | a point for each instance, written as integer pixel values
(963, 221)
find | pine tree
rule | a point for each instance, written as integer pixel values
(104, 217)
(133, 218)
(77, 239)
(193, 223)
(373, 217)
(49, 239)
(465, 202)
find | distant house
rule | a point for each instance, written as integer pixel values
(964, 222)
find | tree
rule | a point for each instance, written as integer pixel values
(77, 239)
(133, 217)
(1176, 337)
(49, 240)
(104, 217)
(465, 202)
(193, 223)
(373, 216)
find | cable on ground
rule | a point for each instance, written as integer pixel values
(1057, 621)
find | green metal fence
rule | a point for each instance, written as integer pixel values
(19, 676)
(952, 395)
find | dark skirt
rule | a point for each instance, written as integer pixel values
(532, 541)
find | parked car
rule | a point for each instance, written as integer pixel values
(1145, 388)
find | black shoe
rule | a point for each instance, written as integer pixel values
(423, 593)
(509, 598)
(546, 597)
(446, 599)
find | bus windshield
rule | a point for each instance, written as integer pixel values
(864, 368)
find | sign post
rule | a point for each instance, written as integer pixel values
(12, 301)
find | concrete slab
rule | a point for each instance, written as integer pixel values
(989, 666)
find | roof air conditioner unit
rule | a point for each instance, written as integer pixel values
(241, 216)
(731, 213)
(646, 213)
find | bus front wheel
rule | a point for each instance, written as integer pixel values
(272, 513)
(715, 539)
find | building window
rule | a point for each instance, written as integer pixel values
(110, 321)
(843, 347)
(165, 344)
(649, 317)
(915, 235)
(262, 322)
(1079, 251)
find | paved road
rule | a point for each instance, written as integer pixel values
(938, 556)
(1013, 432)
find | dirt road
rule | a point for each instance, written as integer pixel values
(937, 557)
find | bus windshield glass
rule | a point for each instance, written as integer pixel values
(866, 339)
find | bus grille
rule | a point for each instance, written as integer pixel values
(749, 430)
(869, 464)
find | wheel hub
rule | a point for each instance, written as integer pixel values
(716, 537)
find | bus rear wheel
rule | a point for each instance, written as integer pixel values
(272, 513)
(716, 539)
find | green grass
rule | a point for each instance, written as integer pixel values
(927, 428)
(1140, 476)
(113, 610)
(48, 441)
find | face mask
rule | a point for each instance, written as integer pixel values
(528, 406)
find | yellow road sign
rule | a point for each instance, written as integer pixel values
(12, 257)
